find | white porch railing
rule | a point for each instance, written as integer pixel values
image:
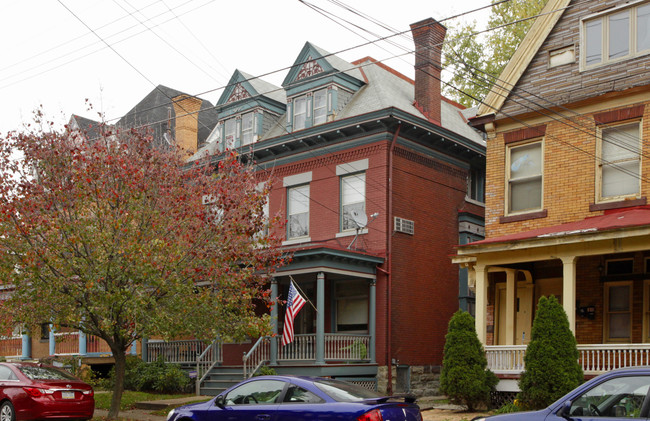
(179, 352)
(11, 346)
(595, 359)
(303, 348)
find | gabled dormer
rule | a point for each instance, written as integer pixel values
(247, 108)
(317, 86)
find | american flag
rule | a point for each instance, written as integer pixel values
(294, 304)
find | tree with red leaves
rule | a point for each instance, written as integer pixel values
(122, 240)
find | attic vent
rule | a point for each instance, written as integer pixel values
(404, 225)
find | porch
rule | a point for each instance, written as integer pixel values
(508, 360)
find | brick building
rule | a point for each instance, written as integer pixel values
(567, 187)
(370, 170)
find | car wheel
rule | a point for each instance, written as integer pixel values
(7, 412)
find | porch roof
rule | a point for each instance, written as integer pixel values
(333, 260)
(612, 220)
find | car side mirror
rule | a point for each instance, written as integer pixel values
(220, 401)
(565, 411)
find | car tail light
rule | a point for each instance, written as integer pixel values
(374, 415)
(89, 392)
(35, 392)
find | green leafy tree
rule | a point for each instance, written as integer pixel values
(465, 378)
(551, 360)
(112, 237)
(476, 60)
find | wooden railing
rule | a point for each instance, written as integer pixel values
(179, 352)
(11, 346)
(66, 343)
(347, 347)
(96, 344)
(258, 355)
(210, 357)
(303, 348)
(595, 359)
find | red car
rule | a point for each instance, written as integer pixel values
(31, 391)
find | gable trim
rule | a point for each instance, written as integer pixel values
(522, 57)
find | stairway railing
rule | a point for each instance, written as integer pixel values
(210, 357)
(256, 356)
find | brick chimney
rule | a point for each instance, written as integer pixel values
(428, 36)
(187, 109)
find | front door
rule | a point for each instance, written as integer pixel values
(523, 315)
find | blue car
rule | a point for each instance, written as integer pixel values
(617, 395)
(289, 398)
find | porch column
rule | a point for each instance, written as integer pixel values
(372, 319)
(481, 302)
(145, 348)
(26, 347)
(320, 318)
(83, 344)
(569, 290)
(511, 307)
(52, 340)
(274, 322)
(134, 348)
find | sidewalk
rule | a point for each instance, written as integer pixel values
(143, 411)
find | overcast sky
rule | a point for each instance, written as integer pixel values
(56, 52)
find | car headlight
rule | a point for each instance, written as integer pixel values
(170, 414)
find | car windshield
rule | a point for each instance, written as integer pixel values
(44, 373)
(345, 392)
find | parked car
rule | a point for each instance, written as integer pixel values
(30, 391)
(617, 395)
(290, 398)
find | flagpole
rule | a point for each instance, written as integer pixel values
(303, 293)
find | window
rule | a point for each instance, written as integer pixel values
(300, 113)
(258, 392)
(616, 35)
(620, 397)
(352, 306)
(619, 161)
(320, 106)
(247, 129)
(230, 130)
(525, 177)
(353, 200)
(298, 211)
(476, 185)
(297, 394)
(7, 374)
(310, 110)
(618, 311)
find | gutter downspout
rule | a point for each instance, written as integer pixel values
(389, 245)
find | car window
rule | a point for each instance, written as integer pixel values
(621, 397)
(34, 372)
(255, 392)
(345, 392)
(297, 394)
(6, 373)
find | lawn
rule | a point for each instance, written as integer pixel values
(129, 398)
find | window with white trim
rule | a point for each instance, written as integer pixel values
(310, 109)
(524, 177)
(247, 129)
(298, 211)
(229, 133)
(618, 311)
(614, 35)
(353, 200)
(619, 161)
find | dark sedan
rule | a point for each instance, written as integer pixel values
(290, 398)
(30, 391)
(617, 395)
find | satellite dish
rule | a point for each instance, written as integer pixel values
(359, 218)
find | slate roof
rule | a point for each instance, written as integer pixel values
(265, 88)
(89, 128)
(153, 111)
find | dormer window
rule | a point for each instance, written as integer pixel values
(310, 109)
(247, 129)
(615, 35)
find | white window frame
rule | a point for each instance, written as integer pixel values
(607, 313)
(346, 204)
(603, 18)
(296, 114)
(510, 181)
(323, 93)
(229, 143)
(601, 162)
(247, 132)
